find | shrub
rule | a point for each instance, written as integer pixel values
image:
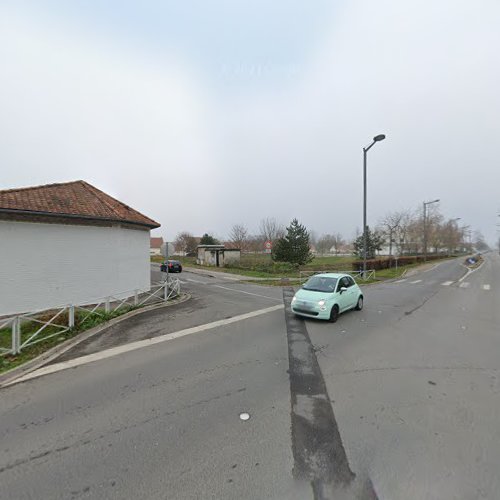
(386, 262)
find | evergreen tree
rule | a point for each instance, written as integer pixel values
(208, 239)
(374, 243)
(294, 246)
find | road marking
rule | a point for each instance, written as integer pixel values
(470, 271)
(133, 346)
(400, 281)
(248, 293)
(196, 281)
(464, 284)
(433, 267)
(447, 283)
(486, 287)
(416, 281)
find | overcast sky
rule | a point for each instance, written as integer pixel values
(203, 114)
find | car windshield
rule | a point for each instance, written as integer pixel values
(320, 284)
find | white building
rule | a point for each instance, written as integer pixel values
(155, 245)
(217, 255)
(69, 244)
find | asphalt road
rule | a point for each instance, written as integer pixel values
(400, 400)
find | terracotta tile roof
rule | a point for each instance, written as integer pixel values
(77, 198)
(156, 242)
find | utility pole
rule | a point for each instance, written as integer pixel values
(425, 225)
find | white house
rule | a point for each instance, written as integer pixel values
(69, 243)
(155, 245)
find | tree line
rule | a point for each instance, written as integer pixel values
(397, 233)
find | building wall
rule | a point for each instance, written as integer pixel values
(208, 257)
(154, 251)
(47, 265)
(231, 257)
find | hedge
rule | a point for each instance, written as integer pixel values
(386, 263)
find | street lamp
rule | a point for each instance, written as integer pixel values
(425, 225)
(377, 138)
(453, 223)
(465, 233)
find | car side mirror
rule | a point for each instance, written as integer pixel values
(343, 289)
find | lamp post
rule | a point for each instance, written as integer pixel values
(377, 138)
(452, 221)
(465, 232)
(425, 225)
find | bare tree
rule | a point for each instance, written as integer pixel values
(239, 236)
(390, 225)
(271, 230)
(255, 243)
(434, 227)
(337, 242)
(313, 237)
(185, 243)
(325, 243)
(479, 242)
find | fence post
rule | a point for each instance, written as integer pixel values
(16, 335)
(71, 316)
(107, 307)
(136, 297)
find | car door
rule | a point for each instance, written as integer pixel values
(352, 291)
(343, 298)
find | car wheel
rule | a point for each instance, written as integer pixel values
(359, 304)
(334, 314)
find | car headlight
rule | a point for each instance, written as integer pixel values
(294, 299)
(321, 303)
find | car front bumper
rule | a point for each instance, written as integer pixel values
(313, 311)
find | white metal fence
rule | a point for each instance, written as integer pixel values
(357, 275)
(43, 325)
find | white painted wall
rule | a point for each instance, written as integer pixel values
(47, 265)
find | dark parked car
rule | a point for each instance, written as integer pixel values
(174, 266)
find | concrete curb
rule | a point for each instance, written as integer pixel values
(471, 270)
(56, 351)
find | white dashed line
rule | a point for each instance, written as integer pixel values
(196, 281)
(464, 284)
(416, 281)
(447, 283)
(400, 281)
(486, 287)
(247, 293)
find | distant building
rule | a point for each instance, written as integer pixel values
(155, 246)
(69, 243)
(342, 251)
(217, 255)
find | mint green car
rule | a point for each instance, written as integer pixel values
(325, 296)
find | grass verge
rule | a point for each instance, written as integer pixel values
(83, 321)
